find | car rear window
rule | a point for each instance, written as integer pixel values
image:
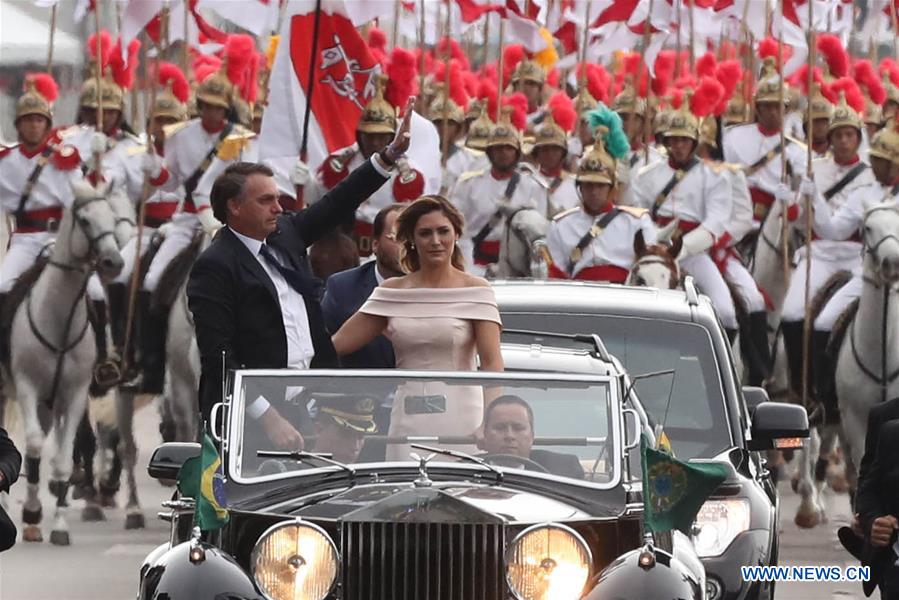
(695, 419)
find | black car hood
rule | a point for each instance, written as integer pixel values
(517, 499)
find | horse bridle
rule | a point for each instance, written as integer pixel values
(77, 207)
(652, 259)
(871, 250)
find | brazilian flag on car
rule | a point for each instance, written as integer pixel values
(674, 491)
(201, 478)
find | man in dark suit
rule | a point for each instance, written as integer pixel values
(877, 499)
(10, 464)
(509, 430)
(348, 290)
(252, 294)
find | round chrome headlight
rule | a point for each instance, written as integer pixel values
(295, 560)
(548, 562)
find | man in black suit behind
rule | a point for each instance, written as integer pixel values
(252, 294)
(10, 464)
(348, 290)
(877, 499)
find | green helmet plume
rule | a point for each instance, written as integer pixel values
(615, 139)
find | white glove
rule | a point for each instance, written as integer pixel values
(209, 223)
(695, 242)
(784, 194)
(300, 175)
(807, 187)
(151, 165)
(99, 143)
(165, 229)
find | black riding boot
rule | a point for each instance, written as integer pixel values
(824, 371)
(792, 332)
(154, 327)
(117, 295)
(760, 361)
(106, 371)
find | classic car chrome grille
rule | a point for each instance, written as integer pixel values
(422, 561)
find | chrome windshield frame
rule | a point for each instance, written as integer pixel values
(234, 427)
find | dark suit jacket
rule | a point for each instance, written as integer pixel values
(878, 481)
(10, 464)
(234, 302)
(558, 463)
(345, 293)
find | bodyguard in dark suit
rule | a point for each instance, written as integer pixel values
(10, 464)
(348, 290)
(877, 499)
(252, 294)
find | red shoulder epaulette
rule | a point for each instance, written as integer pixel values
(408, 186)
(65, 158)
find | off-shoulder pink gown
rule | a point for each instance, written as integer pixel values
(433, 329)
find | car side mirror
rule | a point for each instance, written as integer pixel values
(755, 397)
(778, 425)
(168, 458)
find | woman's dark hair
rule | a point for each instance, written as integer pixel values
(230, 185)
(407, 221)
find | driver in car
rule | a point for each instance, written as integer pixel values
(341, 424)
(509, 430)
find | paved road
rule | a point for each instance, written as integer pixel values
(103, 562)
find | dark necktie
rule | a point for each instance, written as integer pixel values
(306, 286)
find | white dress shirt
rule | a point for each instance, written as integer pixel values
(300, 350)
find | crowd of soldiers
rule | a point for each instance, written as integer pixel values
(704, 152)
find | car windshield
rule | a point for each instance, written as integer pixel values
(694, 420)
(559, 425)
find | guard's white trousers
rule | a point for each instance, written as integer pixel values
(24, 249)
(839, 302)
(711, 283)
(129, 252)
(739, 276)
(177, 238)
(822, 269)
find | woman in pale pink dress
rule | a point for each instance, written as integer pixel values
(438, 317)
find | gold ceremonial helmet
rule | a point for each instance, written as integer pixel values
(111, 95)
(378, 116)
(216, 90)
(768, 89)
(549, 133)
(844, 116)
(683, 123)
(708, 132)
(504, 133)
(628, 102)
(479, 130)
(528, 70)
(33, 103)
(885, 145)
(443, 106)
(819, 106)
(736, 112)
(873, 113)
(597, 166)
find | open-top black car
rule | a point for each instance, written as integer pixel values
(542, 508)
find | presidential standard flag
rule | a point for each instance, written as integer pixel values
(674, 491)
(201, 478)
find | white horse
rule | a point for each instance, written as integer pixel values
(52, 352)
(523, 251)
(656, 265)
(868, 361)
